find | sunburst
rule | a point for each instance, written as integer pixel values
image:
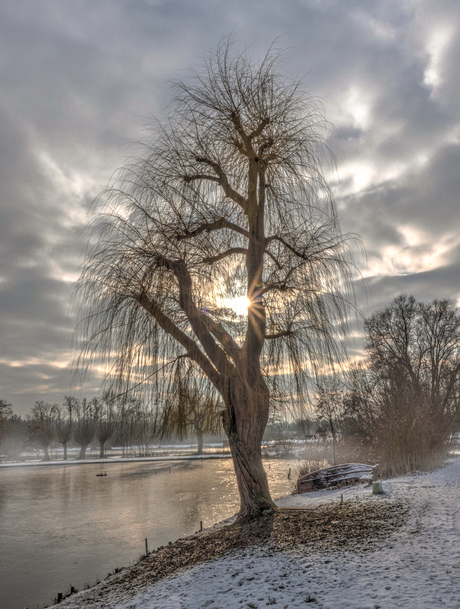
(239, 304)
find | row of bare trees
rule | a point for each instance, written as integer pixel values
(79, 420)
(402, 404)
(129, 422)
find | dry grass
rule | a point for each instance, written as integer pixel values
(393, 459)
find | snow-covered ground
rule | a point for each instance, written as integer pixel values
(418, 567)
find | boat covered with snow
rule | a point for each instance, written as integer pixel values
(344, 474)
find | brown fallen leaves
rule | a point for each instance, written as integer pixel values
(354, 525)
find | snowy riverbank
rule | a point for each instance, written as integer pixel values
(417, 567)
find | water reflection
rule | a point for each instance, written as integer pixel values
(63, 525)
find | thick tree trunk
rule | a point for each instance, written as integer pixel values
(251, 477)
(64, 444)
(47, 455)
(244, 422)
(101, 449)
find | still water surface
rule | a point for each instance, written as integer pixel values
(62, 525)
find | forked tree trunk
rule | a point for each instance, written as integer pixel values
(244, 423)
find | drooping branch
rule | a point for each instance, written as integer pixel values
(222, 255)
(282, 334)
(193, 351)
(287, 245)
(236, 120)
(266, 146)
(258, 131)
(315, 246)
(223, 181)
(269, 287)
(247, 138)
(201, 176)
(280, 286)
(275, 260)
(227, 342)
(209, 227)
(202, 325)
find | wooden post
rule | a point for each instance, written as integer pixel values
(201, 525)
(341, 498)
(375, 473)
(59, 597)
(146, 547)
(377, 487)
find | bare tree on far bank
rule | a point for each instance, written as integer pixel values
(6, 412)
(194, 409)
(64, 416)
(14, 434)
(329, 409)
(85, 424)
(105, 417)
(41, 426)
(229, 201)
(406, 403)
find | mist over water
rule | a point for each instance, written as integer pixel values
(62, 525)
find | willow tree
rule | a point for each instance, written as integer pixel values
(227, 204)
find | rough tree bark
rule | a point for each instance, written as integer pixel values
(244, 421)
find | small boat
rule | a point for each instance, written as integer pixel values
(104, 474)
(337, 475)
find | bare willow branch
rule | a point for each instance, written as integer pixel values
(223, 181)
(213, 226)
(278, 335)
(222, 255)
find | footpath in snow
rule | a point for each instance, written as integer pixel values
(417, 567)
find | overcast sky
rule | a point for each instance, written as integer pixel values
(79, 79)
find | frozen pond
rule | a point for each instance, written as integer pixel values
(62, 525)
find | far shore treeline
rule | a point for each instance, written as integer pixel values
(399, 406)
(129, 424)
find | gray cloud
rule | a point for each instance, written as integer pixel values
(80, 79)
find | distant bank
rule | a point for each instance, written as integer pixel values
(117, 460)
